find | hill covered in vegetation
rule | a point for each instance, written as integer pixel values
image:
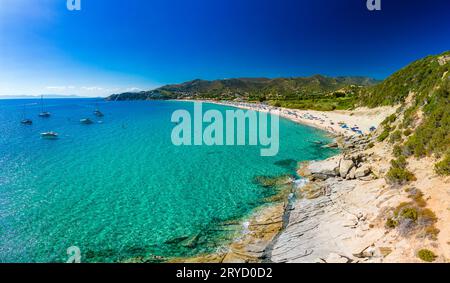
(310, 92)
(421, 126)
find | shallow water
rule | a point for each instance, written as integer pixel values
(120, 189)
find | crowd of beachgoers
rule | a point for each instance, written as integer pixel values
(348, 123)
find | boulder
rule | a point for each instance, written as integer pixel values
(320, 176)
(345, 167)
(363, 171)
(351, 174)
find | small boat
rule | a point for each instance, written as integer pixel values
(49, 135)
(43, 114)
(26, 122)
(86, 121)
(98, 113)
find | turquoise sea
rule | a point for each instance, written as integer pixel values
(119, 189)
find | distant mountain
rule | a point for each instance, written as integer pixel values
(251, 88)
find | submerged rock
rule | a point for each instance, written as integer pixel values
(273, 181)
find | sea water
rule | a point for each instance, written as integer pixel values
(119, 189)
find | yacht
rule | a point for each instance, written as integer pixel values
(86, 121)
(49, 135)
(26, 122)
(98, 113)
(43, 114)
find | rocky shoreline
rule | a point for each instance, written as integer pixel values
(340, 215)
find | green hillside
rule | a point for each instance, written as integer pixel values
(318, 92)
(421, 126)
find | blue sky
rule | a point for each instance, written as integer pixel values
(113, 46)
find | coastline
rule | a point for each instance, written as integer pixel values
(267, 225)
(330, 121)
(340, 215)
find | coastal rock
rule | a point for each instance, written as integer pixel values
(320, 176)
(336, 258)
(363, 171)
(345, 167)
(351, 174)
(326, 167)
(312, 191)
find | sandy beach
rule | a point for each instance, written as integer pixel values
(338, 122)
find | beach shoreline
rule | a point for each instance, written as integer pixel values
(336, 122)
(339, 214)
(267, 224)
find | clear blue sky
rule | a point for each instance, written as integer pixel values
(114, 46)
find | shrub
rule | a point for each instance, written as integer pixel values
(400, 162)
(409, 213)
(384, 134)
(391, 223)
(428, 216)
(443, 167)
(395, 136)
(370, 145)
(399, 176)
(397, 151)
(418, 198)
(426, 255)
(391, 118)
(407, 132)
(432, 232)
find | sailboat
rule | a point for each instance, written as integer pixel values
(24, 120)
(97, 112)
(43, 114)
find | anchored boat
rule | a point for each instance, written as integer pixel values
(49, 135)
(43, 114)
(25, 121)
(86, 121)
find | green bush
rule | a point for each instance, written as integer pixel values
(391, 223)
(397, 175)
(426, 255)
(443, 167)
(384, 134)
(397, 151)
(407, 132)
(409, 213)
(400, 162)
(395, 136)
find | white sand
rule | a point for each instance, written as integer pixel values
(331, 121)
